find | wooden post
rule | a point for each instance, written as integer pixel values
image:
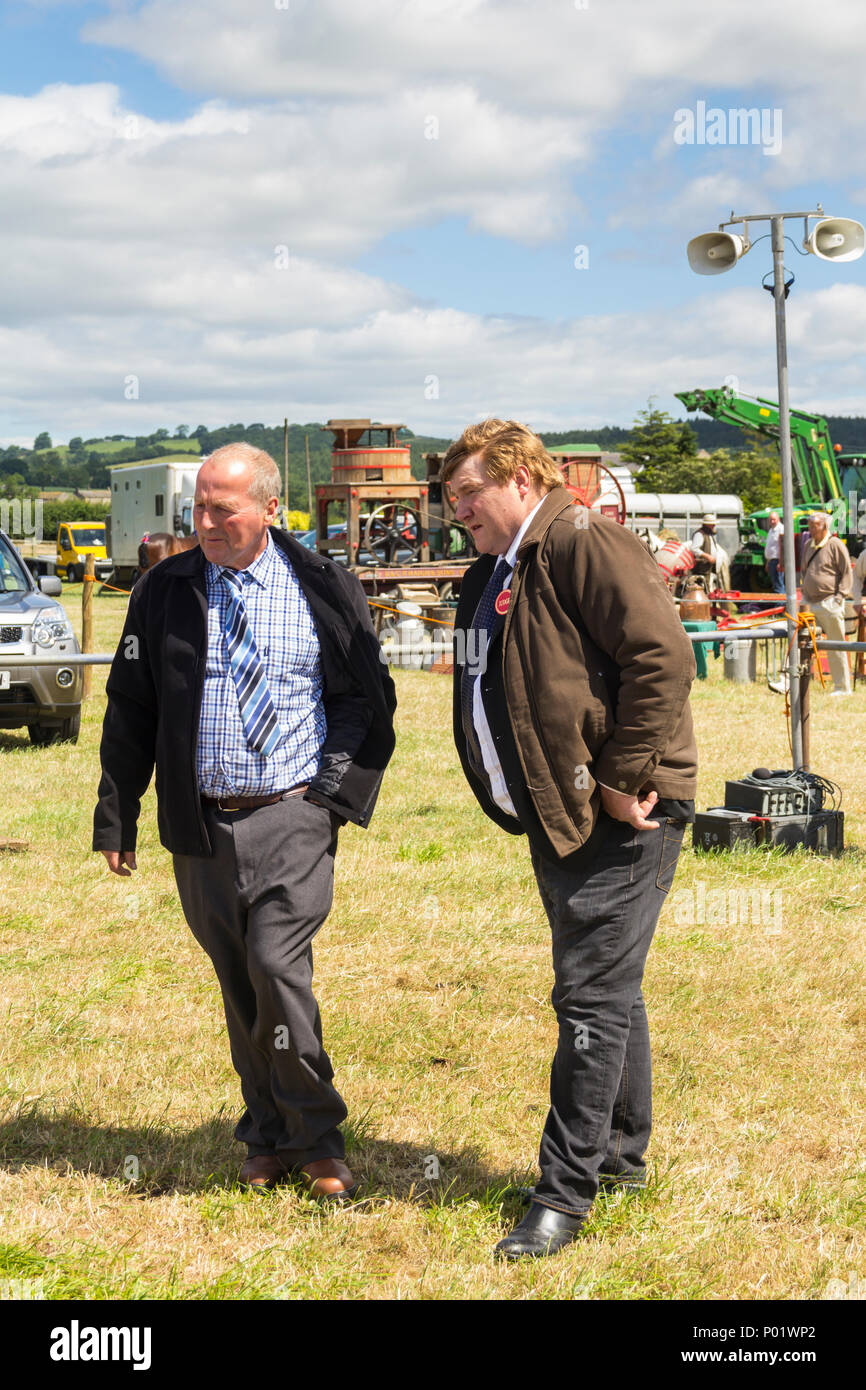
(87, 622)
(286, 464)
(309, 488)
(805, 679)
(860, 657)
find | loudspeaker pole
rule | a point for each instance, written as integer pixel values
(777, 225)
(712, 253)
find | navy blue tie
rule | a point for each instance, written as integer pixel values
(477, 638)
(258, 715)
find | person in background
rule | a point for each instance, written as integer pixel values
(711, 558)
(825, 582)
(773, 552)
(858, 580)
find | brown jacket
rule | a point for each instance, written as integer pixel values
(825, 570)
(597, 670)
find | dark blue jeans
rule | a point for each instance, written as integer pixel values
(776, 579)
(603, 906)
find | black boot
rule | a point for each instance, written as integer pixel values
(542, 1231)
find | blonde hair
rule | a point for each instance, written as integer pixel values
(503, 446)
(265, 482)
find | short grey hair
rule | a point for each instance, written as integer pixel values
(265, 482)
(820, 516)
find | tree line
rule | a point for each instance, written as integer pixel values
(668, 453)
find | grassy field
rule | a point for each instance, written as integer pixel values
(117, 1162)
(113, 446)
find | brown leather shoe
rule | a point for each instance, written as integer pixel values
(328, 1179)
(261, 1172)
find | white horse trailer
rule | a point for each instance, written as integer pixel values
(145, 498)
(681, 512)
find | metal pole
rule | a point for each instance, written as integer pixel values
(805, 679)
(64, 659)
(778, 231)
(309, 487)
(286, 462)
(87, 620)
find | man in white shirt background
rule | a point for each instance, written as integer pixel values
(773, 552)
(711, 558)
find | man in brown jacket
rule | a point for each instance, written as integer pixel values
(825, 580)
(571, 718)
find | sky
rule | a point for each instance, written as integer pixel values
(428, 211)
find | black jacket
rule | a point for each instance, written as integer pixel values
(155, 690)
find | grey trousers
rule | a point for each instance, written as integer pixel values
(603, 912)
(255, 908)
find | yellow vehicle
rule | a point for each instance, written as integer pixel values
(75, 541)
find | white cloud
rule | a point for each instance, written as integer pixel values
(598, 65)
(147, 246)
(332, 182)
(380, 363)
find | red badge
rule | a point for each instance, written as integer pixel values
(502, 601)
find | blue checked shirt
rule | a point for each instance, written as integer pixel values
(285, 635)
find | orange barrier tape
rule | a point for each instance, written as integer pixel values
(390, 609)
(93, 579)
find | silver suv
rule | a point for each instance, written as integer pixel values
(45, 698)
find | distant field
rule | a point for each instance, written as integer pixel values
(434, 976)
(112, 446)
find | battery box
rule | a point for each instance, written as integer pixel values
(722, 828)
(824, 833)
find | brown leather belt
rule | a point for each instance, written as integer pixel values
(249, 803)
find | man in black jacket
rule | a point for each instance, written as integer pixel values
(249, 675)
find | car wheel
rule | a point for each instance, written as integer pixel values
(70, 729)
(67, 732)
(41, 736)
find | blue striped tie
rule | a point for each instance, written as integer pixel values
(258, 715)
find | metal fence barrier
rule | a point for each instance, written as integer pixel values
(763, 634)
(68, 659)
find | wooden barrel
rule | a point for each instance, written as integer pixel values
(371, 466)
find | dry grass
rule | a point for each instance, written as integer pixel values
(433, 974)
